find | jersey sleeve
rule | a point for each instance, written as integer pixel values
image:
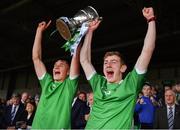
(72, 84)
(135, 81)
(96, 81)
(45, 81)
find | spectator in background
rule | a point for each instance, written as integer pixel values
(27, 117)
(74, 100)
(136, 123)
(154, 96)
(90, 101)
(168, 117)
(177, 90)
(13, 112)
(78, 112)
(31, 109)
(24, 97)
(82, 96)
(166, 85)
(9, 102)
(145, 108)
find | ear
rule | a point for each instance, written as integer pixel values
(123, 68)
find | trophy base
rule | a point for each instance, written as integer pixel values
(63, 29)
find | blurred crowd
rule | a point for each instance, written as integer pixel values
(19, 110)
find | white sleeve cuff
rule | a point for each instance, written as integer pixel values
(91, 75)
(73, 77)
(140, 71)
(40, 78)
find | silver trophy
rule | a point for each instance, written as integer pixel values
(67, 26)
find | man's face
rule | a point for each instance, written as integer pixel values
(24, 96)
(60, 70)
(112, 69)
(170, 97)
(15, 100)
(82, 97)
(146, 90)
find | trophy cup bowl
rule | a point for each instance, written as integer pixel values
(67, 26)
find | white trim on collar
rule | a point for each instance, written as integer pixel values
(118, 83)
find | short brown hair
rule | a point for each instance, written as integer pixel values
(111, 53)
(16, 95)
(64, 61)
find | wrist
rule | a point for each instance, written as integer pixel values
(151, 19)
(39, 31)
(90, 31)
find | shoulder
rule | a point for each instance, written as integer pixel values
(45, 76)
(134, 74)
(9, 107)
(70, 80)
(161, 109)
(97, 78)
(177, 108)
(21, 108)
(46, 80)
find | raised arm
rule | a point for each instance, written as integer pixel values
(37, 50)
(75, 65)
(149, 41)
(85, 54)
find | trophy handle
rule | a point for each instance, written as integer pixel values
(63, 29)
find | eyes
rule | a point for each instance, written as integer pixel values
(110, 62)
(59, 65)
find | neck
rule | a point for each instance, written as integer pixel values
(171, 104)
(30, 113)
(146, 95)
(58, 80)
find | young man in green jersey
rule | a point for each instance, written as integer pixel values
(114, 98)
(54, 108)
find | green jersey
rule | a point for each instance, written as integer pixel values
(54, 108)
(114, 103)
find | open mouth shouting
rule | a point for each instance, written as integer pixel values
(109, 73)
(57, 74)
